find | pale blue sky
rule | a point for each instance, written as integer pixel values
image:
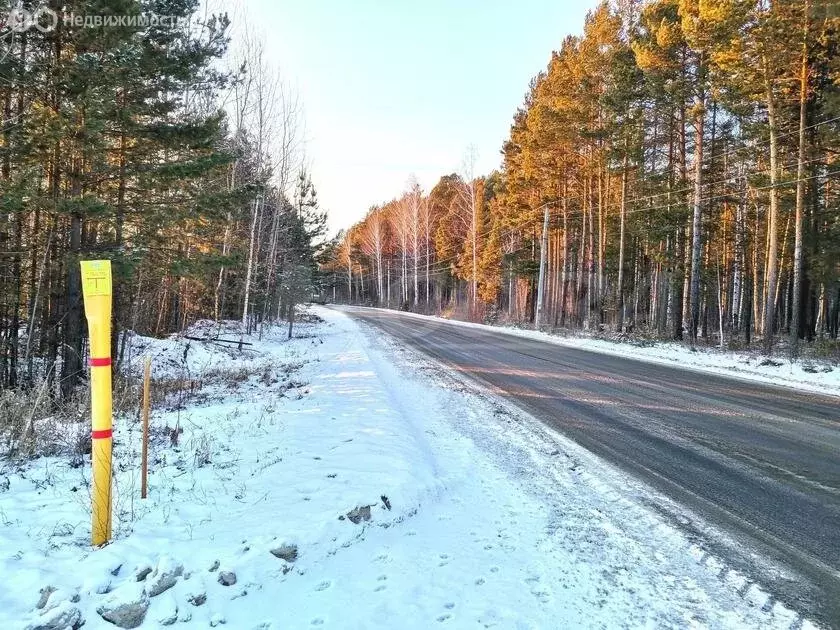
(391, 89)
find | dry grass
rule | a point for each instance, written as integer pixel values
(32, 424)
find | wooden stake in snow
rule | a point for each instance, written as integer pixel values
(144, 463)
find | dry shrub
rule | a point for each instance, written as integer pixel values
(230, 378)
(34, 424)
(308, 317)
(127, 394)
(19, 408)
(823, 349)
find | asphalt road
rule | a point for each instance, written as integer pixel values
(759, 463)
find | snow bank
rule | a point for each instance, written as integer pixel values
(181, 355)
(279, 459)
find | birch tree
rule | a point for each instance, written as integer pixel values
(373, 237)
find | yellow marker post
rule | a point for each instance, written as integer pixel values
(96, 288)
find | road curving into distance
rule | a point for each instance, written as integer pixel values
(761, 463)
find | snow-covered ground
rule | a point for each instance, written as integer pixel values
(808, 375)
(343, 481)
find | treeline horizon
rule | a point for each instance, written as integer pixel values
(158, 145)
(673, 171)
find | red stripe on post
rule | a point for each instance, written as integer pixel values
(100, 362)
(102, 434)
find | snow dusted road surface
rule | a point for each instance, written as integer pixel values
(750, 365)
(479, 517)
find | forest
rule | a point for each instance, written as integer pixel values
(673, 172)
(148, 140)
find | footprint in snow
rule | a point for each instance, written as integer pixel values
(479, 581)
(443, 618)
(317, 622)
(323, 586)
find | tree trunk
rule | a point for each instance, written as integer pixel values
(696, 240)
(250, 269)
(538, 317)
(796, 307)
(620, 305)
(474, 224)
(773, 237)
